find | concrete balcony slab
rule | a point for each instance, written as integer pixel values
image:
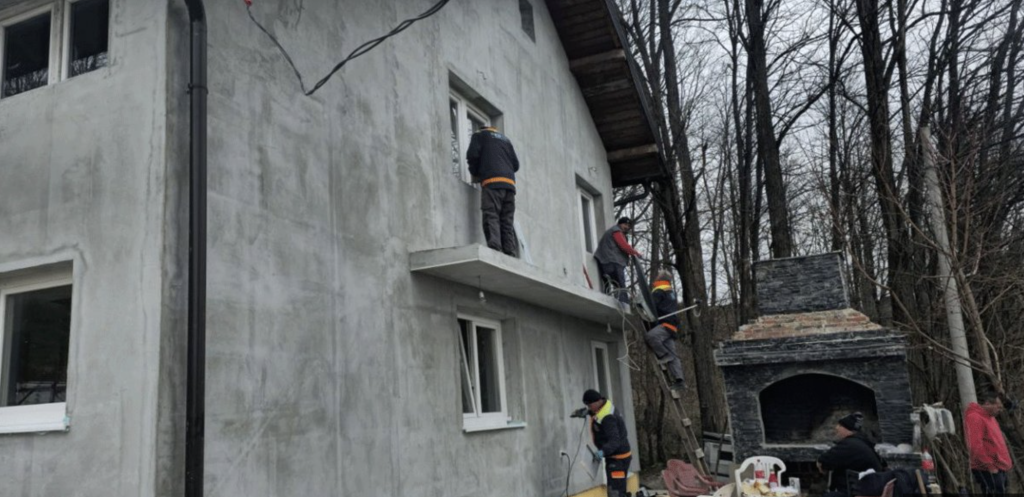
(493, 272)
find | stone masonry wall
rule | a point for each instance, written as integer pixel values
(801, 284)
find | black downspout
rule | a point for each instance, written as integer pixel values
(195, 390)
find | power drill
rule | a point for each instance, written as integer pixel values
(579, 413)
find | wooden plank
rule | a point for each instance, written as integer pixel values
(632, 153)
(597, 60)
(614, 87)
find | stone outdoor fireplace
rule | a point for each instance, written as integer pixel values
(809, 360)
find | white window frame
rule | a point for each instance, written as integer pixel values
(37, 417)
(594, 346)
(59, 60)
(583, 193)
(65, 51)
(476, 420)
(465, 108)
(6, 22)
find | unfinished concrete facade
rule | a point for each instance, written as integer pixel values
(333, 367)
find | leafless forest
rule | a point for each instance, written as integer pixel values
(795, 127)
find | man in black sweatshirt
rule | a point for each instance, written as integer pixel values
(493, 162)
(852, 451)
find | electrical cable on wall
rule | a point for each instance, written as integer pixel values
(359, 51)
(572, 462)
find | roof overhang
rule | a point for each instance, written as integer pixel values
(612, 85)
(491, 271)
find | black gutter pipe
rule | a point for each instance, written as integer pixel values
(195, 389)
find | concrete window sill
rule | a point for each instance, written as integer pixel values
(37, 418)
(504, 425)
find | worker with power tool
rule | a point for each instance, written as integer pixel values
(608, 431)
(661, 338)
(493, 162)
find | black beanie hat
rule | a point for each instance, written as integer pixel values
(591, 396)
(851, 422)
(625, 220)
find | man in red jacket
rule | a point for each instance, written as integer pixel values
(990, 460)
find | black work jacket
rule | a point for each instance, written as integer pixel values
(610, 435)
(665, 303)
(855, 453)
(492, 159)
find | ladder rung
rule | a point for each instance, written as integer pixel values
(687, 422)
(675, 394)
(699, 453)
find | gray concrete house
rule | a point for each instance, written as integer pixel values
(360, 339)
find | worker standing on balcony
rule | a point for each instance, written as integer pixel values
(608, 431)
(611, 254)
(493, 162)
(661, 339)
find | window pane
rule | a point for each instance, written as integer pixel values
(453, 111)
(39, 323)
(26, 61)
(526, 18)
(490, 388)
(602, 372)
(466, 385)
(89, 21)
(588, 234)
(474, 123)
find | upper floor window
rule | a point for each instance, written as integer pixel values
(27, 60)
(588, 220)
(35, 309)
(526, 18)
(465, 118)
(88, 28)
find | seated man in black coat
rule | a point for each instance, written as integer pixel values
(852, 451)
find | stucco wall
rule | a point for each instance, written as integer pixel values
(331, 369)
(82, 179)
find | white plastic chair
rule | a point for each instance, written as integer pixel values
(771, 462)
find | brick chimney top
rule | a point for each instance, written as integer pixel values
(811, 283)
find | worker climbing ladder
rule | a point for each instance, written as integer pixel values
(645, 309)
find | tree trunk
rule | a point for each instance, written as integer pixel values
(767, 145)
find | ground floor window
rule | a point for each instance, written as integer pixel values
(36, 311)
(482, 371)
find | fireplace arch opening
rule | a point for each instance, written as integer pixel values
(805, 408)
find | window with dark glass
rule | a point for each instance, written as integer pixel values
(89, 23)
(526, 17)
(34, 360)
(26, 56)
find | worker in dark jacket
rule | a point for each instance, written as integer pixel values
(852, 451)
(612, 256)
(608, 431)
(661, 339)
(493, 162)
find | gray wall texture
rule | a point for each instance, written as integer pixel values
(331, 369)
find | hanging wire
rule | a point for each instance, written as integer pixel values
(359, 51)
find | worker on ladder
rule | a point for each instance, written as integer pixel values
(608, 431)
(661, 338)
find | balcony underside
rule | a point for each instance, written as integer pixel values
(493, 272)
